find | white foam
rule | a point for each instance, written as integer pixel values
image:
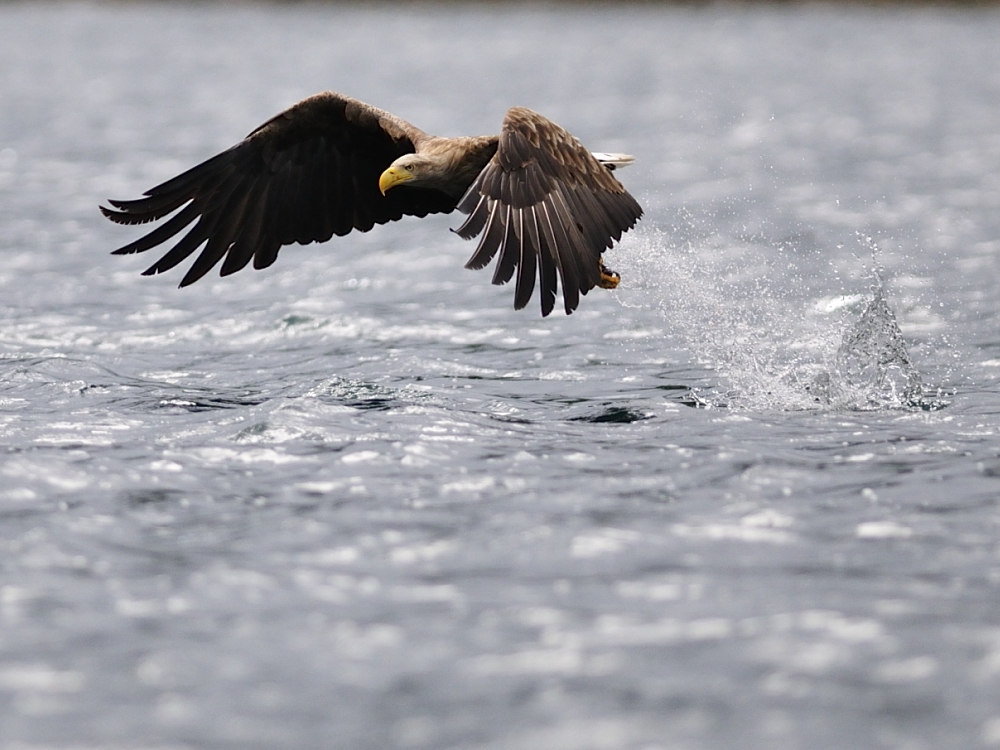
(604, 542)
(723, 531)
(883, 530)
(906, 670)
(358, 457)
(472, 484)
(39, 678)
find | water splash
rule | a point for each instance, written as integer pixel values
(774, 343)
(873, 365)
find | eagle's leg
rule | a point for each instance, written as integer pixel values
(609, 278)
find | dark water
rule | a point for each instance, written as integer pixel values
(748, 500)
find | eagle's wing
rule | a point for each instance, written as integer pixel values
(545, 202)
(306, 174)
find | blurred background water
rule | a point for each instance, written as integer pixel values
(747, 500)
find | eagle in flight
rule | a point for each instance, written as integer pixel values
(330, 164)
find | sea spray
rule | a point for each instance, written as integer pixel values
(773, 343)
(873, 365)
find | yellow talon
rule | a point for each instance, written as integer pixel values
(609, 279)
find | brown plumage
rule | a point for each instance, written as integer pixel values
(330, 164)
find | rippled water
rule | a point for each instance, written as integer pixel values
(747, 500)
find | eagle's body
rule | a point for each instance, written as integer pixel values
(331, 164)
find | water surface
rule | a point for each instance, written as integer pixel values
(356, 501)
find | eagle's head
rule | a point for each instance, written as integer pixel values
(414, 169)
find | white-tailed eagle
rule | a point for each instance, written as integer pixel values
(331, 164)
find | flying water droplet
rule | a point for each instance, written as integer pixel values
(775, 348)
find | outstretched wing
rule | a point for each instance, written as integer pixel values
(303, 176)
(547, 206)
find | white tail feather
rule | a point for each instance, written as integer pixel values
(614, 161)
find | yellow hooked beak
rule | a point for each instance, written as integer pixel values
(393, 176)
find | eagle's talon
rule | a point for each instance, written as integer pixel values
(609, 278)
